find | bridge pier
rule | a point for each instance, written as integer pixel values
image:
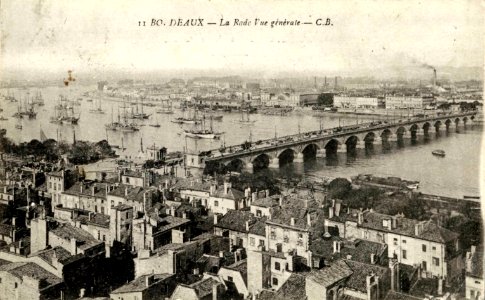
(360, 145)
(274, 163)
(419, 133)
(321, 153)
(248, 167)
(406, 135)
(342, 148)
(452, 127)
(377, 141)
(298, 158)
(392, 137)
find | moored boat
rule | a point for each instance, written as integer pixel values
(439, 153)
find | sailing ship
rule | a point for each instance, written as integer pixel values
(121, 126)
(10, 97)
(157, 124)
(202, 132)
(64, 113)
(38, 99)
(98, 109)
(188, 120)
(138, 114)
(245, 118)
(28, 112)
(165, 109)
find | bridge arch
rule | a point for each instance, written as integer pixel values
(351, 143)
(286, 156)
(236, 164)
(332, 146)
(261, 161)
(310, 151)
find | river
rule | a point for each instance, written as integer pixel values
(454, 175)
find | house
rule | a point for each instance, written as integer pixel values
(410, 241)
(194, 190)
(205, 289)
(140, 198)
(474, 274)
(88, 196)
(146, 287)
(27, 280)
(157, 228)
(225, 198)
(235, 224)
(235, 277)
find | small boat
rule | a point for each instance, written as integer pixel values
(439, 153)
(2, 118)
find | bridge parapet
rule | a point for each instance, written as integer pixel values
(297, 142)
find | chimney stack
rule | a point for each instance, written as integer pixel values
(292, 221)
(373, 258)
(434, 77)
(337, 208)
(247, 225)
(360, 218)
(330, 212)
(215, 219)
(308, 219)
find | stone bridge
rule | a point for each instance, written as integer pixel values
(329, 142)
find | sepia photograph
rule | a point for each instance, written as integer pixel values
(242, 150)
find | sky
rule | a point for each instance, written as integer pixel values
(95, 36)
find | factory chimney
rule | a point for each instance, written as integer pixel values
(335, 81)
(434, 77)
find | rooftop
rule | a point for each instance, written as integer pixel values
(357, 279)
(32, 270)
(83, 238)
(476, 264)
(139, 284)
(329, 275)
(236, 220)
(94, 189)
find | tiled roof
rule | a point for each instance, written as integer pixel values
(292, 289)
(259, 228)
(425, 286)
(96, 220)
(477, 264)
(32, 270)
(87, 189)
(332, 274)
(283, 215)
(241, 267)
(193, 185)
(63, 256)
(132, 193)
(359, 250)
(405, 226)
(357, 280)
(236, 220)
(139, 284)
(267, 201)
(203, 288)
(232, 194)
(67, 231)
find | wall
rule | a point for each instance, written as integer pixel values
(236, 279)
(475, 284)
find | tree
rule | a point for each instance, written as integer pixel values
(339, 188)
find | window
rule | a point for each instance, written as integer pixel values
(258, 213)
(424, 266)
(216, 203)
(404, 254)
(261, 243)
(434, 248)
(286, 239)
(436, 261)
(277, 266)
(404, 241)
(300, 235)
(59, 187)
(104, 238)
(273, 234)
(395, 241)
(229, 278)
(251, 241)
(275, 281)
(15, 285)
(0, 280)
(424, 247)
